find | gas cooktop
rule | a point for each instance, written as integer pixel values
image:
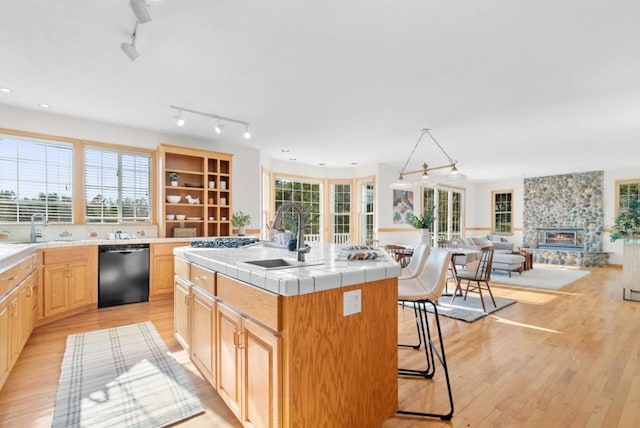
(225, 242)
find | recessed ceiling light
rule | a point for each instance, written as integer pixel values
(43, 105)
(5, 90)
(285, 150)
(354, 163)
(292, 159)
(321, 163)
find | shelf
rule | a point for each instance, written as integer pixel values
(197, 168)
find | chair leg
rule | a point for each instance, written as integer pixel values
(439, 352)
(415, 311)
(421, 319)
(491, 294)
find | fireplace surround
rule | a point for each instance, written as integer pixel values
(561, 238)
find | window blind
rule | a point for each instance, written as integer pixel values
(36, 176)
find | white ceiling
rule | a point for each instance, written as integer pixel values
(509, 88)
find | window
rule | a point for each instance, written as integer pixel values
(626, 191)
(117, 186)
(502, 211)
(36, 177)
(307, 193)
(449, 211)
(341, 213)
(366, 211)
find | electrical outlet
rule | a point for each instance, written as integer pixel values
(352, 302)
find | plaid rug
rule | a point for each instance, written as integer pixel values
(122, 376)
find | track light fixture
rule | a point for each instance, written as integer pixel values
(425, 180)
(218, 127)
(141, 10)
(179, 119)
(129, 48)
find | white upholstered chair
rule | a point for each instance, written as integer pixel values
(418, 259)
(419, 292)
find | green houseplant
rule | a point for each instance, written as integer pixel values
(627, 223)
(240, 220)
(425, 221)
(173, 177)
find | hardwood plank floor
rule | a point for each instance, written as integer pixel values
(568, 358)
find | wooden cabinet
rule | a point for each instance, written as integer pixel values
(203, 320)
(229, 362)
(161, 270)
(181, 297)
(205, 179)
(69, 280)
(4, 340)
(248, 369)
(16, 312)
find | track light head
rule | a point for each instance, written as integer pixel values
(129, 48)
(141, 10)
(247, 134)
(179, 119)
(219, 127)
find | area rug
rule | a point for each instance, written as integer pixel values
(468, 310)
(124, 377)
(548, 278)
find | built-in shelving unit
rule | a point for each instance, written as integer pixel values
(204, 177)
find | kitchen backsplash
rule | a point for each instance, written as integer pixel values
(74, 233)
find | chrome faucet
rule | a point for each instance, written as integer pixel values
(301, 247)
(32, 233)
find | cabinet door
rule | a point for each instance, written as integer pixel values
(4, 340)
(260, 376)
(24, 312)
(55, 289)
(162, 275)
(202, 333)
(181, 312)
(14, 327)
(228, 334)
(78, 285)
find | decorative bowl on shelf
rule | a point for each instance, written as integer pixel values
(173, 199)
(180, 216)
(170, 216)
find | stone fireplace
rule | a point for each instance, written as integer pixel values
(563, 219)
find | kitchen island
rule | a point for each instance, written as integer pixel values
(313, 345)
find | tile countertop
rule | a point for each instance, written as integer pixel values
(10, 251)
(326, 274)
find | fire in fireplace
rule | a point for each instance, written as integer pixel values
(561, 238)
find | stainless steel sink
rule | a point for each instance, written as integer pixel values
(279, 263)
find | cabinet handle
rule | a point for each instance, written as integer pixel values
(11, 278)
(200, 278)
(240, 340)
(186, 300)
(235, 338)
(30, 291)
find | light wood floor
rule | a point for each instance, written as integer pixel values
(568, 358)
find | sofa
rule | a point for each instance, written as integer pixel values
(505, 256)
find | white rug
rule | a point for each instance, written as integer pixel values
(124, 377)
(548, 278)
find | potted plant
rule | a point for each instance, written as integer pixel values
(240, 220)
(173, 176)
(627, 224)
(627, 227)
(424, 223)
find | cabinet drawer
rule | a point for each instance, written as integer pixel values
(167, 248)
(182, 268)
(9, 278)
(261, 305)
(204, 278)
(65, 255)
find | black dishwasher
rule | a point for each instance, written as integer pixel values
(123, 274)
